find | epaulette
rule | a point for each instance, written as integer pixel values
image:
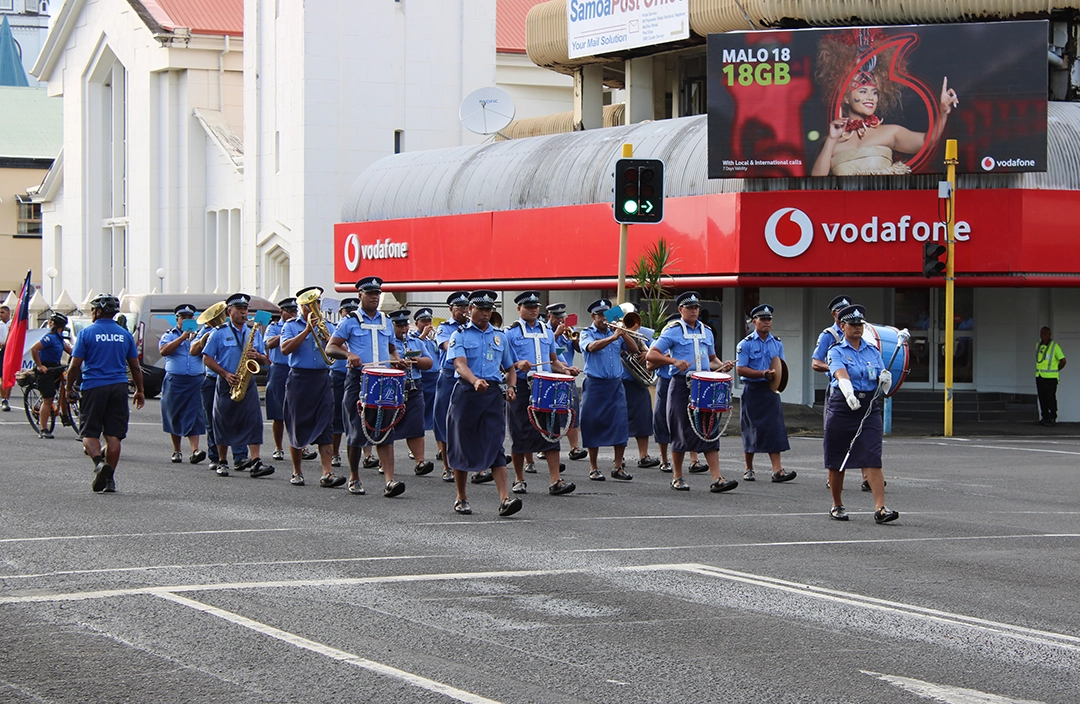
(672, 324)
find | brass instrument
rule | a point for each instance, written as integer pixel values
(247, 369)
(214, 316)
(318, 324)
(632, 362)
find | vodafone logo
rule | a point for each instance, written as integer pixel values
(796, 217)
(382, 249)
(988, 163)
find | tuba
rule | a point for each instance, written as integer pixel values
(214, 316)
(247, 369)
(315, 318)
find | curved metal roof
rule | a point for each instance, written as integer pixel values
(576, 168)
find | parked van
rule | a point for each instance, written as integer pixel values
(149, 316)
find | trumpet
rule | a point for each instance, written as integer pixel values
(214, 316)
(315, 318)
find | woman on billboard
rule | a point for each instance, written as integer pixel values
(866, 69)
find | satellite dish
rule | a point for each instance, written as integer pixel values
(486, 111)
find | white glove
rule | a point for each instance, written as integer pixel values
(849, 393)
(885, 382)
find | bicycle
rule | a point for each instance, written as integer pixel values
(67, 409)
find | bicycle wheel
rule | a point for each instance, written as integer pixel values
(73, 417)
(32, 406)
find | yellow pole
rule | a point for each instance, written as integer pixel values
(620, 294)
(950, 283)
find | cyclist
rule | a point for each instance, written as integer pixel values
(47, 353)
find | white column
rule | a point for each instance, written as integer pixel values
(589, 97)
(639, 90)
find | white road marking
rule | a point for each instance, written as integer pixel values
(44, 538)
(330, 652)
(1006, 447)
(944, 693)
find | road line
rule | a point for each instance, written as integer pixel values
(1005, 447)
(330, 652)
(224, 531)
(945, 693)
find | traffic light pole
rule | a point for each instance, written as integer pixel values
(624, 229)
(950, 283)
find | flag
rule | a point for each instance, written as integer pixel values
(13, 351)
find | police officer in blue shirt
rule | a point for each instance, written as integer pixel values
(338, 372)
(365, 338)
(208, 389)
(47, 353)
(309, 394)
(236, 422)
(276, 375)
(104, 353)
(425, 335)
(532, 342)
(761, 415)
(639, 405)
(688, 346)
(181, 392)
(417, 360)
(604, 419)
(459, 311)
(859, 378)
(661, 432)
(566, 341)
(476, 422)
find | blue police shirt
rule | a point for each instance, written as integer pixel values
(105, 347)
(412, 341)
(180, 362)
(307, 355)
(205, 330)
(431, 349)
(677, 342)
(274, 353)
(226, 343)
(758, 354)
(605, 363)
(357, 334)
(564, 349)
(52, 349)
(531, 341)
(486, 352)
(863, 365)
(826, 340)
(443, 335)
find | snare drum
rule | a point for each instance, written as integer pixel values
(552, 393)
(885, 338)
(710, 391)
(383, 387)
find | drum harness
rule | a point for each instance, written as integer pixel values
(692, 413)
(380, 434)
(550, 430)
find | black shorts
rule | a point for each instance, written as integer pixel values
(104, 410)
(46, 383)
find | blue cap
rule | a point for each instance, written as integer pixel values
(599, 306)
(854, 313)
(400, 316)
(349, 304)
(839, 302)
(238, 299)
(184, 309)
(762, 311)
(530, 299)
(557, 309)
(688, 299)
(458, 298)
(369, 284)
(287, 303)
(423, 314)
(483, 298)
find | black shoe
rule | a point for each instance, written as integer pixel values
(297, 480)
(197, 457)
(355, 487)
(222, 469)
(423, 468)
(679, 484)
(244, 464)
(482, 477)
(329, 481)
(103, 474)
(596, 475)
(509, 506)
(783, 476)
(461, 506)
(577, 453)
(371, 462)
(838, 513)
(278, 455)
(4, 406)
(448, 475)
(647, 462)
(394, 488)
(110, 487)
(509, 459)
(884, 515)
(530, 468)
(308, 454)
(45, 435)
(866, 485)
(561, 487)
(699, 467)
(666, 468)
(258, 469)
(335, 461)
(519, 488)
(620, 474)
(411, 456)
(177, 457)
(721, 485)
(438, 456)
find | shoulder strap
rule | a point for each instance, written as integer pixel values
(832, 331)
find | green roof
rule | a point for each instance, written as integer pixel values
(31, 123)
(12, 72)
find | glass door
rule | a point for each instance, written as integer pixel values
(922, 312)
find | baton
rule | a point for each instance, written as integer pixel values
(901, 339)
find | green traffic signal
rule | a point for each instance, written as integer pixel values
(630, 207)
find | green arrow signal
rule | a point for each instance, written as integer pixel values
(646, 207)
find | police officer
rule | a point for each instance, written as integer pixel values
(603, 399)
(859, 378)
(689, 345)
(181, 392)
(207, 393)
(566, 348)
(309, 395)
(761, 415)
(661, 432)
(416, 359)
(639, 406)
(365, 338)
(338, 372)
(236, 422)
(276, 375)
(532, 343)
(47, 353)
(1049, 361)
(459, 310)
(425, 335)
(104, 353)
(476, 421)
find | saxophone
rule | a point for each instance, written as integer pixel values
(245, 371)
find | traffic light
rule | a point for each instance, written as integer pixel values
(639, 191)
(932, 265)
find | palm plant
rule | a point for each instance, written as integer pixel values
(650, 271)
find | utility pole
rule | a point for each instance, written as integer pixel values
(950, 284)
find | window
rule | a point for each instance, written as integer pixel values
(7, 4)
(399, 141)
(29, 222)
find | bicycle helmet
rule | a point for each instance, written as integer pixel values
(106, 303)
(58, 320)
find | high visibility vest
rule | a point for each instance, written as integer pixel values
(1046, 360)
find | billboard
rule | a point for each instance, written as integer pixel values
(603, 26)
(877, 100)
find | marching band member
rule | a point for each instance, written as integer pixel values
(689, 343)
(276, 375)
(459, 309)
(416, 359)
(603, 400)
(236, 422)
(208, 391)
(476, 419)
(309, 395)
(338, 372)
(760, 414)
(661, 433)
(181, 392)
(639, 410)
(532, 343)
(364, 338)
(425, 334)
(858, 371)
(564, 339)
(47, 353)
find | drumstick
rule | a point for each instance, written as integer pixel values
(901, 338)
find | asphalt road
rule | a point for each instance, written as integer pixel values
(186, 587)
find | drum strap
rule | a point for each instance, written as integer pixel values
(536, 337)
(381, 325)
(697, 337)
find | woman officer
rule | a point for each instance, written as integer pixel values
(858, 372)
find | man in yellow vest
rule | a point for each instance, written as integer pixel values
(1049, 361)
